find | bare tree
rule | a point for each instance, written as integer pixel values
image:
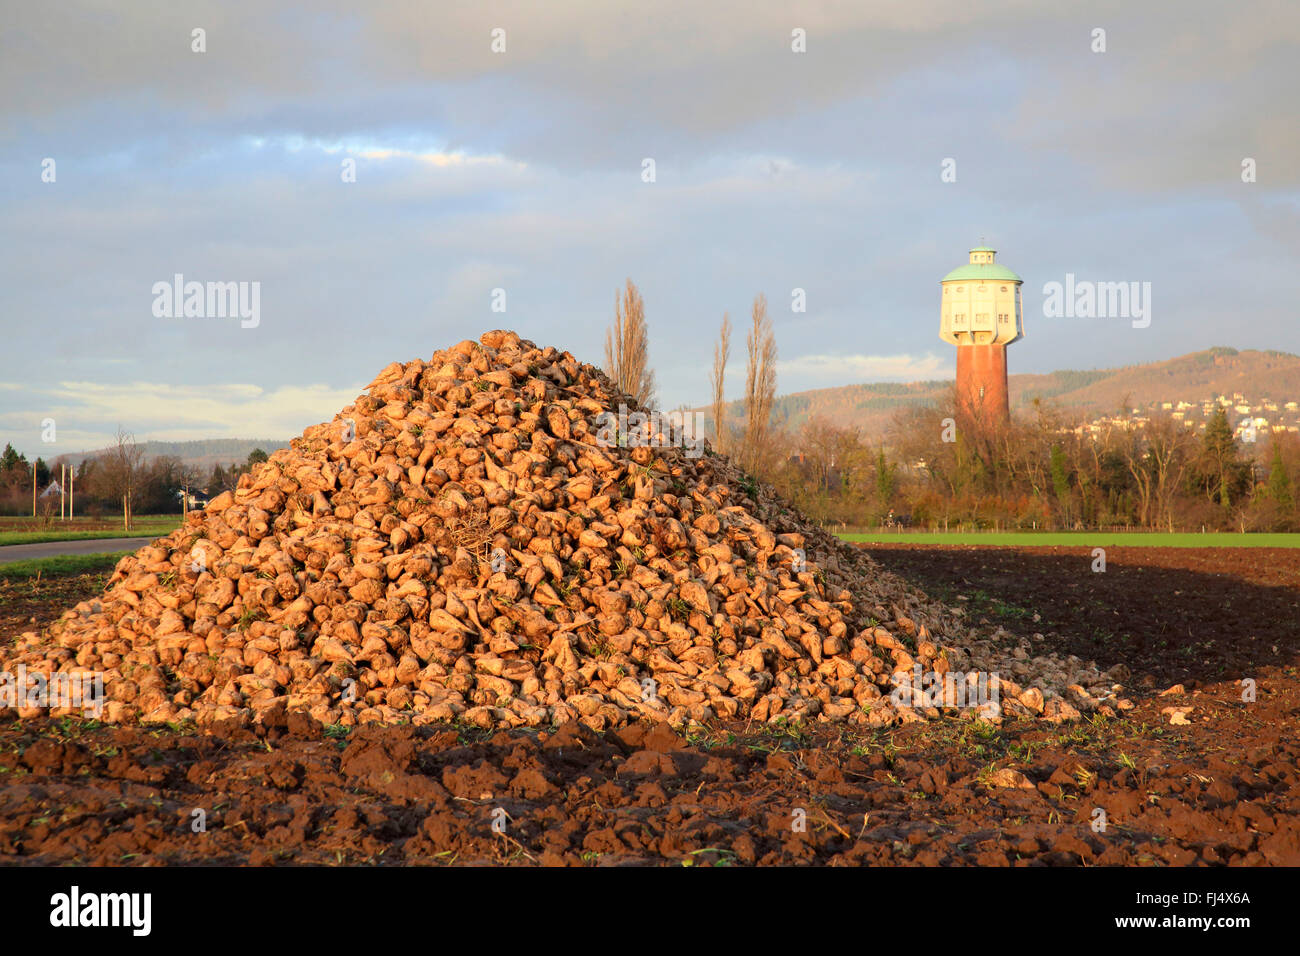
(1168, 448)
(760, 385)
(1157, 461)
(826, 449)
(627, 348)
(721, 353)
(119, 471)
(190, 479)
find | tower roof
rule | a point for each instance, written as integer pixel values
(982, 266)
(992, 271)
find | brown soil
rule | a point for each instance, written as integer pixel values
(1171, 614)
(1221, 789)
(32, 604)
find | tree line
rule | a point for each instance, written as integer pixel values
(933, 468)
(119, 481)
(937, 468)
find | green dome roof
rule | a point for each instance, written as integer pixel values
(991, 271)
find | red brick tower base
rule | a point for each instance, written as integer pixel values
(982, 382)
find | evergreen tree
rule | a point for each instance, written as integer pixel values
(886, 475)
(1219, 453)
(1279, 481)
(1061, 479)
(11, 459)
(217, 483)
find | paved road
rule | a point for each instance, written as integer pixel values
(51, 549)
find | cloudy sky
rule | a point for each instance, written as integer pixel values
(523, 170)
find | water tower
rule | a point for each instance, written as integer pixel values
(981, 316)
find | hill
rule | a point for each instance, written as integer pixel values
(202, 454)
(1198, 375)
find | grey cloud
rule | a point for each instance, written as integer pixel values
(775, 171)
(1178, 95)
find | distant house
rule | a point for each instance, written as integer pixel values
(195, 499)
(52, 489)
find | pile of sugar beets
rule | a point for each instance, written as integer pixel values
(463, 541)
